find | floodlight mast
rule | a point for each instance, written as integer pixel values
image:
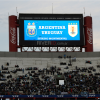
(52, 8)
(84, 11)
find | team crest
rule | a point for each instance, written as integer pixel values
(72, 30)
(31, 30)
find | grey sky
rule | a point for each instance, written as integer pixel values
(45, 6)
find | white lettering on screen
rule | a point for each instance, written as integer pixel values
(52, 32)
(51, 27)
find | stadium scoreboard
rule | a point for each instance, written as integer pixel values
(51, 30)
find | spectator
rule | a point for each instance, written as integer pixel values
(43, 71)
(23, 70)
(7, 64)
(2, 67)
(52, 68)
(55, 68)
(53, 72)
(48, 71)
(64, 56)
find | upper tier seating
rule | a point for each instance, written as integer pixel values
(41, 76)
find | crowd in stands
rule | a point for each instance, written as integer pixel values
(43, 82)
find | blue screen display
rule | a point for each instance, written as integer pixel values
(61, 30)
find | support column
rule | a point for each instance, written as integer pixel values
(12, 33)
(88, 34)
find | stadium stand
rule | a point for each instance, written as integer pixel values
(49, 76)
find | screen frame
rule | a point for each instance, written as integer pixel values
(47, 43)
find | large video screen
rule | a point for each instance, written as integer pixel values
(51, 30)
(56, 30)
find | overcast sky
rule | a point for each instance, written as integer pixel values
(45, 6)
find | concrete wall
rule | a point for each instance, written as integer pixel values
(49, 54)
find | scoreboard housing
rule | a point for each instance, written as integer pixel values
(51, 30)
